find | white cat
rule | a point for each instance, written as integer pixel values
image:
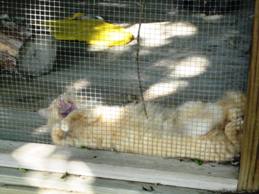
(207, 131)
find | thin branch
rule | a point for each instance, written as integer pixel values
(142, 3)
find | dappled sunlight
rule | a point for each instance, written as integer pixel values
(25, 156)
(44, 129)
(212, 18)
(31, 149)
(56, 168)
(56, 181)
(190, 67)
(44, 191)
(112, 4)
(181, 29)
(160, 33)
(108, 114)
(52, 165)
(78, 85)
(164, 89)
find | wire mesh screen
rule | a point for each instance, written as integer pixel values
(162, 78)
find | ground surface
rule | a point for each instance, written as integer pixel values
(186, 54)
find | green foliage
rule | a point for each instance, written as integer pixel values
(198, 162)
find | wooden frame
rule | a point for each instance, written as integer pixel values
(249, 166)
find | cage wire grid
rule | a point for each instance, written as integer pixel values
(157, 94)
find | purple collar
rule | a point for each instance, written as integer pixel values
(65, 107)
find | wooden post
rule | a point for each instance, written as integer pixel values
(249, 165)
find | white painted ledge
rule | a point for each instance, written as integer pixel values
(118, 166)
(14, 181)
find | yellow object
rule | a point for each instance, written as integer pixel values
(92, 31)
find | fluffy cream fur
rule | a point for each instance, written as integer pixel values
(206, 131)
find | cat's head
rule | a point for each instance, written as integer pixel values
(58, 109)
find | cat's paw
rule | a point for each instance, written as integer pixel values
(64, 126)
(232, 131)
(235, 114)
(58, 134)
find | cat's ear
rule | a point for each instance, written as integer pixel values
(44, 112)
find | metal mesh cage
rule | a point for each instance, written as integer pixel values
(151, 77)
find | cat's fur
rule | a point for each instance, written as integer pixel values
(207, 131)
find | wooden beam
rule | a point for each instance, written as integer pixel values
(249, 165)
(15, 181)
(117, 166)
(28, 190)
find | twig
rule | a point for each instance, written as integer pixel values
(142, 3)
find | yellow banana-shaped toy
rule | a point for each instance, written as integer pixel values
(93, 31)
